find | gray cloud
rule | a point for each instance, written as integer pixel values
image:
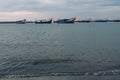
(62, 8)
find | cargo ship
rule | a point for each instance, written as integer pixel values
(71, 20)
(21, 21)
(44, 21)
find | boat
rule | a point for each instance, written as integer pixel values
(44, 21)
(21, 21)
(71, 20)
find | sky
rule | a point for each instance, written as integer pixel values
(38, 9)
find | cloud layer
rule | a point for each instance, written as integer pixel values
(85, 9)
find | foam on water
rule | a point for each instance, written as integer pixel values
(100, 73)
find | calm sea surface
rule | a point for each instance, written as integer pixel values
(42, 48)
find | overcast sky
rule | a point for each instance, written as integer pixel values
(36, 9)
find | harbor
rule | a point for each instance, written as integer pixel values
(59, 21)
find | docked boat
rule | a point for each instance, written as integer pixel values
(44, 21)
(71, 20)
(21, 21)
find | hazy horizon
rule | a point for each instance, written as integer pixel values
(36, 9)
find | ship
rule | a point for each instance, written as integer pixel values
(71, 20)
(21, 21)
(44, 21)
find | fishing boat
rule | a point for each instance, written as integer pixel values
(44, 21)
(21, 21)
(71, 20)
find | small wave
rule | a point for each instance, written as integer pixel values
(100, 73)
(49, 61)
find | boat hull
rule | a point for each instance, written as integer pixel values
(21, 21)
(43, 22)
(65, 21)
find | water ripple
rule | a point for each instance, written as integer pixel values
(100, 73)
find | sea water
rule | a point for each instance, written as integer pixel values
(60, 48)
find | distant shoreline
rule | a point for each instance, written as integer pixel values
(13, 22)
(64, 20)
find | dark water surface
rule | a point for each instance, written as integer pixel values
(43, 48)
